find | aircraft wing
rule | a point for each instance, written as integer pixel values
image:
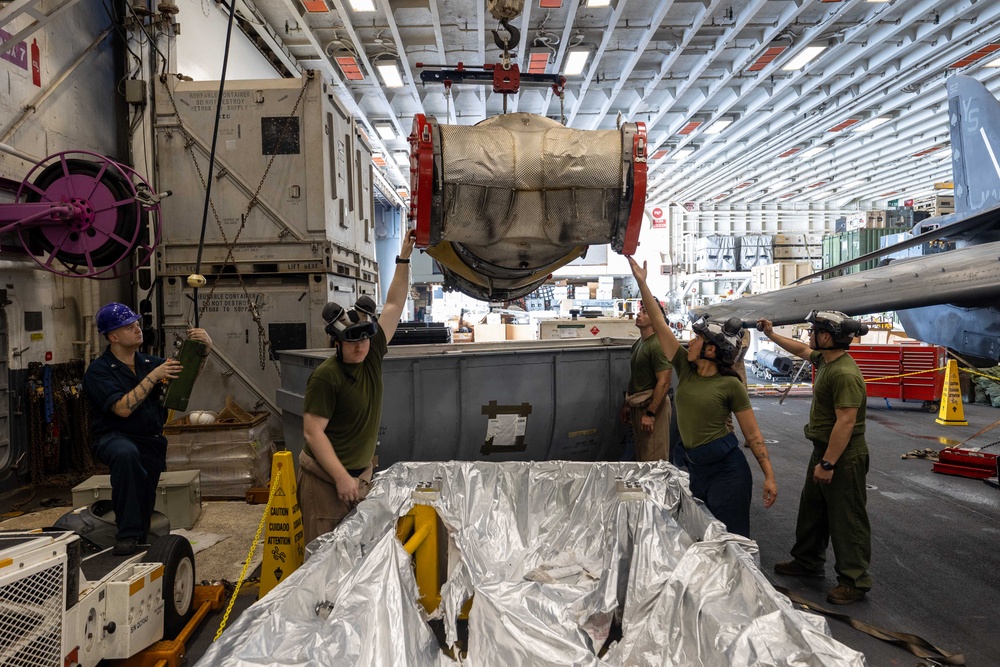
(949, 226)
(967, 275)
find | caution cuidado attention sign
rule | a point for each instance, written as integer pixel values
(284, 540)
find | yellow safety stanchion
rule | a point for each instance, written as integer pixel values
(952, 412)
(284, 540)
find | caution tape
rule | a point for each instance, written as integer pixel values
(253, 547)
(903, 375)
(971, 371)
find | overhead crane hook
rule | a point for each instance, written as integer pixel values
(513, 37)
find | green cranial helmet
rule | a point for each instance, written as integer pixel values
(842, 328)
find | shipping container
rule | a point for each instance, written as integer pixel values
(854, 243)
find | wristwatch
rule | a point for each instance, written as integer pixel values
(650, 413)
(401, 260)
(826, 465)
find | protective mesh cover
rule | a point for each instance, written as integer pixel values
(31, 615)
(519, 189)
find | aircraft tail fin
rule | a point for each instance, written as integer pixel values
(975, 143)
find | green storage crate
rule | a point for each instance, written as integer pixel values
(178, 495)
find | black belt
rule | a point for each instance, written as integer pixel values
(356, 472)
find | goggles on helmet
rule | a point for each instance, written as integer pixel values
(354, 325)
(725, 336)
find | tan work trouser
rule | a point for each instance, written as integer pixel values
(653, 445)
(322, 508)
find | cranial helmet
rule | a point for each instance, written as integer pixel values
(727, 337)
(354, 325)
(840, 326)
(114, 316)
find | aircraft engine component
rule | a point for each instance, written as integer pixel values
(81, 214)
(777, 364)
(502, 204)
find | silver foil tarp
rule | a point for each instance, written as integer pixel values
(553, 552)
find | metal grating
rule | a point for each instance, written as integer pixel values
(31, 615)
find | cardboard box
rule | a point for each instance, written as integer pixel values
(789, 239)
(232, 457)
(794, 252)
(771, 277)
(484, 333)
(521, 332)
(178, 495)
(461, 337)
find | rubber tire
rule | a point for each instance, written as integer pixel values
(177, 557)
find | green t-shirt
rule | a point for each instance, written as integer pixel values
(704, 403)
(839, 384)
(648, 359)
(354, 408)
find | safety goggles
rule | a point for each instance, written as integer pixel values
(359, 332)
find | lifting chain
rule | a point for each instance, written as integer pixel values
(263, 344)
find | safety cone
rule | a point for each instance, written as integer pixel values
(952, 412)
(284, 541)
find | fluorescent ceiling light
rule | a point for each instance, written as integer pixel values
(806, 55)
(853, 184)
(402, 159)
(363, 5)
(813, 152)
(386, 131)
(876, 0)
(872, 124)
(575, 61)
(718, 126)
(993, 63)
(598, 3)
(390, 74)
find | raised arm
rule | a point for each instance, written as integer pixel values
(668, 342)
(798, 348)
(399, 289)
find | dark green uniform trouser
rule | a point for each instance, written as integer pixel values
(836, 513)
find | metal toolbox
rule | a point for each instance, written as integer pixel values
(178, 495)
(966, 463)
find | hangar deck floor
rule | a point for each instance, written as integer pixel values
(935, 560)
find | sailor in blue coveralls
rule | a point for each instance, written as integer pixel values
(123, 388)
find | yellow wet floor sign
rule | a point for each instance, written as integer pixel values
(952, 412)
(284, 541)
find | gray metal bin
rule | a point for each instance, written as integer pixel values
(438, 398)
